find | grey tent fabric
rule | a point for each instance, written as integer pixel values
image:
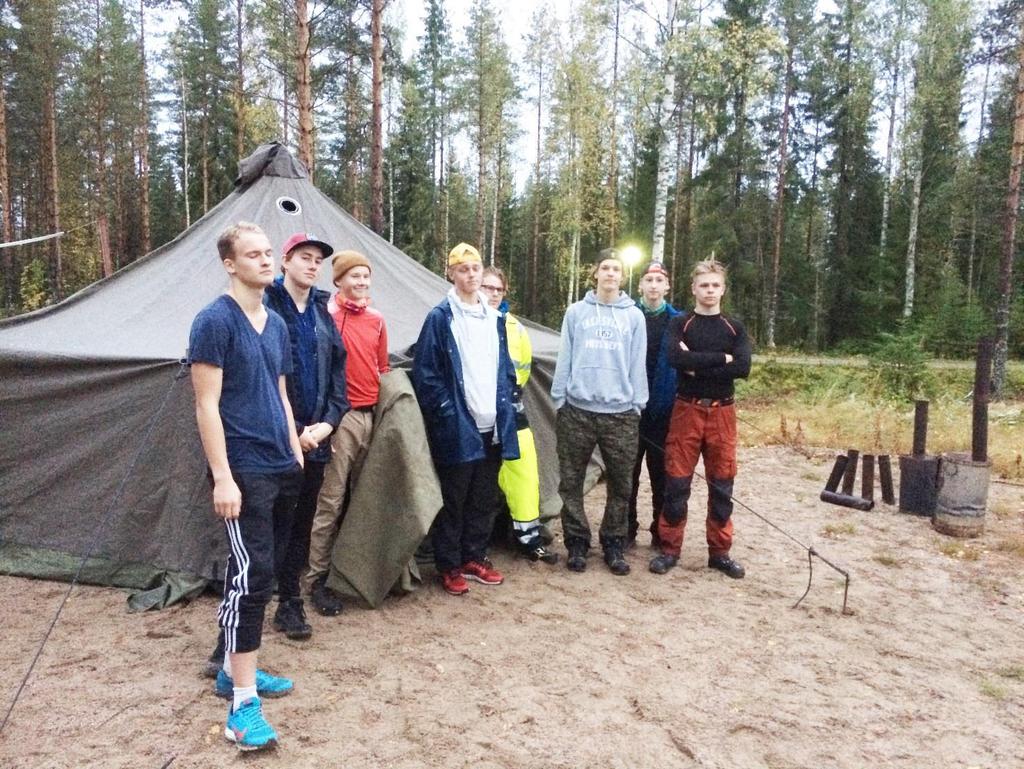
(100, 451)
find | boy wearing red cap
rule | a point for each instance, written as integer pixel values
(365, 336)
(317, 391)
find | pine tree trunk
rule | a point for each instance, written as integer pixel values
(239, 82)
(780, 198)
(6, 230)
(1005, 295)
(144, 213)
(972, 245)
(304, 84)
(99, 105)
(613, 164)
(494, 213)
(376, 122)
(184, 154)
(52, 185)
(482, 142)
(535, 245)
(809, 256)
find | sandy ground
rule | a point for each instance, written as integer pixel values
(554, 669)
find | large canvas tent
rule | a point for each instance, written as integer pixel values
(100, 451)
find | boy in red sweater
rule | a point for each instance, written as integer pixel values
(366, 341)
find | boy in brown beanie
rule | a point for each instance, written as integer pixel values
(365, 336)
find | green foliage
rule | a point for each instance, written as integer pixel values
(900, 367)
(34, 290)
(953, 327)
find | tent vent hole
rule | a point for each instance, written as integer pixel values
(289, 206)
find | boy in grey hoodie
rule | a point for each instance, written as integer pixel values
(599, 389)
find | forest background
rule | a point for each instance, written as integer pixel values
(854, 163)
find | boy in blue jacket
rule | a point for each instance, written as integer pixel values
(466, 387)
(661, 380)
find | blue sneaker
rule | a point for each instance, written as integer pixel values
(248, 729)
(266, 685)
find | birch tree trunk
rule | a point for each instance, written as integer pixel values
(668, 96)
(894, 84)
(915, 209)
(304, 85)
(1009, 231)
(376, 123)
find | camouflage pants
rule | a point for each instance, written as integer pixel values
(578, 432)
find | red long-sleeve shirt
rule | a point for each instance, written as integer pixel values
(366, 342)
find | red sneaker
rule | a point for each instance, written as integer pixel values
(482, 572)
(454, 583)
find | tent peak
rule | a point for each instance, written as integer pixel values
(271, 159)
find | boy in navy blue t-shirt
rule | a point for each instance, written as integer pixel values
(240, 354)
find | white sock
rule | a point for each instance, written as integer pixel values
(243, 693)
(227, 664)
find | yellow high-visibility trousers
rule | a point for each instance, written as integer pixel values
(519, 480)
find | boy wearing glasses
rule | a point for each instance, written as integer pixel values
(519, 479)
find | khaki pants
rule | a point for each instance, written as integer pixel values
(348, 447)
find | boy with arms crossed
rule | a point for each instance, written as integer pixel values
(710, 351)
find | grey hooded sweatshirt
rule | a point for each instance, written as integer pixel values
(602, 359)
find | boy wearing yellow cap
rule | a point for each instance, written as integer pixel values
(466, 387)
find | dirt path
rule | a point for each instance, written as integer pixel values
(560, 670)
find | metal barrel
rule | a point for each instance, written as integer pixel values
(962, 496)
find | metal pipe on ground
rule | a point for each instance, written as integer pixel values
(846, 500)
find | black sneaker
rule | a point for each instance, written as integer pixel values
(615, 560)
(660, 564)
(577, 559)
(326, 601)
(539, 553)
(727, 566)
(290, 619)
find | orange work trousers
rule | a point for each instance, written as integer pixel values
(694, 431)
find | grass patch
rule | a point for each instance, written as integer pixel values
(833, 406)
(993, 690)
(1003, 510)
(1013, 544)
(1016, 672)
(836, 530)
(960, 550)
(887, 559)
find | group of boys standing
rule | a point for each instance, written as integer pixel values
(286, 380)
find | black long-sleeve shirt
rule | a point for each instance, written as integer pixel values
(701, 369)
